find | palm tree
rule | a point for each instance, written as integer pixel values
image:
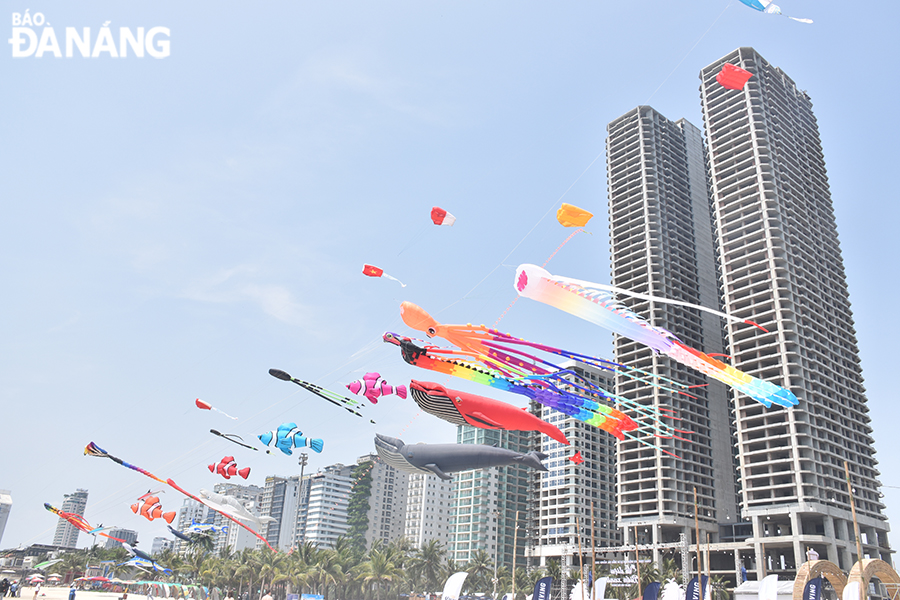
(480, 569)
(428, 562)
(248, 560)
(270, 566)
(670, 570)
(378, 569)
(325, 572)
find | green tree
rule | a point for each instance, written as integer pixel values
(358, 507)
(378, 570)
(428, 563)
(481, 570)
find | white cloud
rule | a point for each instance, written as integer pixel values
(236, 285)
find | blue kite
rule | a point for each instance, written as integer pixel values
(767, 7)
(287, 437)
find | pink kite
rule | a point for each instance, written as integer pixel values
(372, 386)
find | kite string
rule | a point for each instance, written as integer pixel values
(530, 231)
(549, 258)
(687, 54)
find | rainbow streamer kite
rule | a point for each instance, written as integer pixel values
(493, 358)
(93, 449)
(597, 304)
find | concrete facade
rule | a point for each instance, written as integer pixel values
(781, 265)
(661, 245)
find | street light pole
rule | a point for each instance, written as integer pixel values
(304, 458)
(496, 551)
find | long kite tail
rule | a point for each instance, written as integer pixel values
(336, 399)
(93, 449)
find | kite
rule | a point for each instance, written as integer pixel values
(46, 564)
(496, 359)
(597, 304)
(542, 390)
(287, 437)
(145, 565)
(461, 408)
(766, 6)
(441, 459)
(577, 458)
(336, 399)
(233, 438)
(149, 507)
(204, 528)
(78, 522)
(141, 558)
(441, 217)
(373, 386)
(232, 508)
(573, 216)
(373, 271)
(227, 468)
(93, 449)
(207, 406)
(189, 539)
(732, 77)
(135, 552)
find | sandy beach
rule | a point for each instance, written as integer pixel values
(62, 593)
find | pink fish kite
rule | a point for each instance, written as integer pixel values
(372, 386)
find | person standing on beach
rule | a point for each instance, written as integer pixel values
(72, 591)
(37, 590)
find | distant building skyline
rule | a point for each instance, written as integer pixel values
(129, 536)
(6, 503)
(561, 498)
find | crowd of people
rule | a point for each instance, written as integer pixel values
(10, 588)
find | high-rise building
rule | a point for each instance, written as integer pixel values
(280, 501)
(781, 266)
(326, 510)
(237, 538)
(5, 507)
(562, 497)
(160, 544)
(485, 503)
(67, 534)
(377, 506)
(126, 535)
(661, 245)
(427, 509)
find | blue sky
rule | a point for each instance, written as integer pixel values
(175, 227)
